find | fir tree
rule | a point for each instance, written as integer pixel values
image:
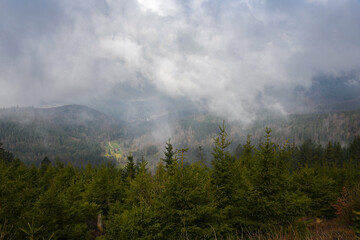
(169, 155)
(222, 159)
(320, 189)
(130, 167)
(355, 150)
(200, 154)
(221, 180)
(267, 198)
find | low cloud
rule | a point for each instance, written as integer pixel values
(233, 58)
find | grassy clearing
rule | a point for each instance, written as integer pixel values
(114, 145)
(318, 230)
(112, 149)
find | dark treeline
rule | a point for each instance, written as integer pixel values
(257, 189)
(68, 143)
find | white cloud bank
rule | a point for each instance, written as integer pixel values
(234, 58)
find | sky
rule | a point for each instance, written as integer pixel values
(234, 58)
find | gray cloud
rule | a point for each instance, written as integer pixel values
(234, 58)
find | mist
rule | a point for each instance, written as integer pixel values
(144, 59)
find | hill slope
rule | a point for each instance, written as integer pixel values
(79, 134)
(193, 132)
(69, 133)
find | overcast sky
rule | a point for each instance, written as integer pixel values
(231, 57)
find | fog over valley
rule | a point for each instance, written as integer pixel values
(234, 59)
(180, 119)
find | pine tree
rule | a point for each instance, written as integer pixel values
(130, 167)
(240, 175)
(248, 152)
(320, 189)
(355, 150)
(221, 179)
(306, 153)
(200, 154)
(137, 218)
(139, 163)
(1, 152)
(268, 198)
(329, 155)
(169, 155)
(45, 163)
(189, 205)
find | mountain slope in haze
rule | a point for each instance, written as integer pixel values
(331, 93)
(71, 133)
(68, 114)
(80, 134)
(341, 127)
(197, 132)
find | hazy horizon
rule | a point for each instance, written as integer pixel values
(232, 58)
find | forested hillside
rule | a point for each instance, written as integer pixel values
(341, 127)
(79, 134)
(198, 131)
(202, 119)
(70, 133)
(266, 192)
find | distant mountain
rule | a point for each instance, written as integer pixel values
(319, 127)
(68, 114)
(329, 93)
(198, 131)
(80, 134)
(69, 133)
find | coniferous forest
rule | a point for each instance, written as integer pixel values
(112, 120)
(268, 191)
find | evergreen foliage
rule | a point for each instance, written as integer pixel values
(356, 220)
(169, 155)
(262, 188)
(355, 150)
(130, 167)
(222, 159)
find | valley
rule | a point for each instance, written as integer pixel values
(80, 135)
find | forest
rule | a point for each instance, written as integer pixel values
(267, 191)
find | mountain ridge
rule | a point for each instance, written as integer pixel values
(73, 113)
(78, 133)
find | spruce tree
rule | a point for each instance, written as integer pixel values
(130, 167)
(169, 155)
(189, 206)
(200, 154)
(44, 164)
(320, 189)
(329, 155)
(354, 150)
(248, 152)
(221, 179)
(268, 199)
